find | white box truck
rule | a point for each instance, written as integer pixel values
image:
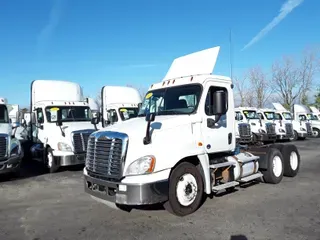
(61, 122)
(118, 104)
(176, 152)
(11, 152)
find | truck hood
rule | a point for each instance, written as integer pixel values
(69, 127)
(5, 128)
(136, 127)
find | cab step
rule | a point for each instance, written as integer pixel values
(219, 165)
(224, 186)
(251, 177)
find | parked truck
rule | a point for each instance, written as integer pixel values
(283, 116)
(118, 104)
(302, 113)
(316, 113)
(260, 131)
(283, 131)
(61, 123)
(11, 152)
(176, 153)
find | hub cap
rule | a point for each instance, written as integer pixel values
(186, 189)
(277, 166)
(294, 160)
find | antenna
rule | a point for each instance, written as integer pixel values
(231, 54)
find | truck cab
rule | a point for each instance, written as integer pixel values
(302, 113)
(61, 122)
(284, 116)
(268, 116)
(316, 113)
(119, 104)
(249, 115)
(181, 146)
(11, 152)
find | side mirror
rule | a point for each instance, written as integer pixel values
(150, 117)
(219, 103)
(96, 118)
(23, 122)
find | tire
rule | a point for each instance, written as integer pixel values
(49, 164)
(185, 177)
(274, 175)
(291, 159)
(318, 132)
(295, 136)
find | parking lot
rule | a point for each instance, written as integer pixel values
(54, 206)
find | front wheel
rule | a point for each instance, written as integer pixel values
(186, 190)
(316, 132)
(49, 161)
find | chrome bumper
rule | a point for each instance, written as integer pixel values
(125, 194)
(10, 164)
(70, 160)
(302, 135)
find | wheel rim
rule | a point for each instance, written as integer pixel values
(293, 160)
(277, 166)
(50, 160)
(315, 133)
(186, 189)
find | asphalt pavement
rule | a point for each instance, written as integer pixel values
(40, 206)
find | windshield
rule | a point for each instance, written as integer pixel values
(287, 116)
(128, 113)
(270, 115)
(311, 117)
(173, 100)
(68, 113)
(4, 114)
(278, 116)
(251, 114)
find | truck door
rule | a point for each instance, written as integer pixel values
(38, 131)
(217, 137)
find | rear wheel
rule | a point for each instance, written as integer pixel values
(274, 172)
(291, 159)
(185, 190)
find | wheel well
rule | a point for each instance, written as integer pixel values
(193, 160)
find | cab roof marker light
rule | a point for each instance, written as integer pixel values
(173, 81)
(191, 79)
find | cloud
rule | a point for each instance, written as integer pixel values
(286, 8)
(48, 30)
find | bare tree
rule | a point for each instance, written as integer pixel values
(259, 86)
(292, 82)
(239, 84)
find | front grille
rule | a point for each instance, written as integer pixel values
(3, 146)
(309, 129)
(105, 156)
(244, 130)
(80, 141)
(271, 128)
(289, 129)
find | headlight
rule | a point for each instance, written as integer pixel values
(261, 130)
(144, 165)
(303, 129)
(282, 130)
(64, 147)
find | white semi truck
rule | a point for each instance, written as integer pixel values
(118, 104)
(61, 123)
(283, 131)
(316, 113)
(284, 117)
(302, 113)
(175, 152)
(11, 152)
(261, 132)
